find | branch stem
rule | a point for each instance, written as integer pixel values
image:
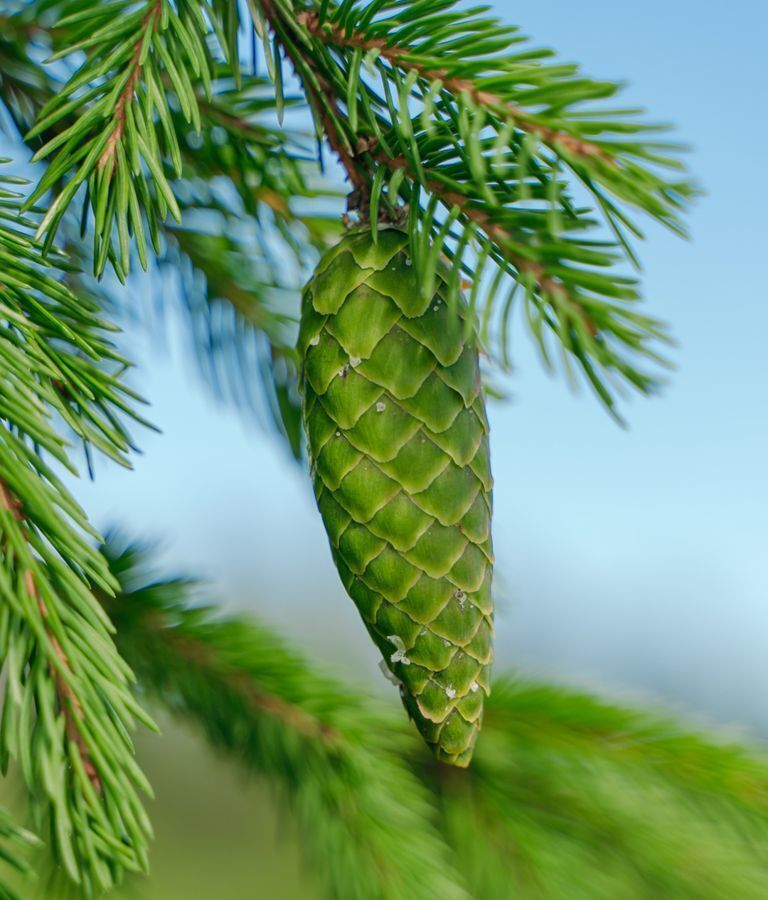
(323, 101)
(69, 703)
(150, 21)
(329, 33)
(197, 653)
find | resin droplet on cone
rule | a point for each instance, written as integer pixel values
(398, 444)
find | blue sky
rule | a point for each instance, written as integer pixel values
(632, 560)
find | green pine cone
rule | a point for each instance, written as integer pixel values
(398, 445)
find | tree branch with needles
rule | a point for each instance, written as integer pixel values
(336, 36)
(148, 27)
(69, 704)
(445, 121)
(359, 160)
(487, 138)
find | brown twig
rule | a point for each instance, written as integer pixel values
(325, 104)
(151, 18)
(199, 654)
(10, 502)
(69, 703)
(330, 33)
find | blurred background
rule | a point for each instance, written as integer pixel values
(629, 561)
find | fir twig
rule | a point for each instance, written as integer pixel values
(408, 61)
(67, 708)
(488, 136)
(481, 147)
(110, 128)
(237, 301)
(68, 701)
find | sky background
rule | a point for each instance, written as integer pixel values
(629, 560)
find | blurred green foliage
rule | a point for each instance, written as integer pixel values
(569, 796)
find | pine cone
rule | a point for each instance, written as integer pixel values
(398, 445)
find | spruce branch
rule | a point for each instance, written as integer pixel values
(67, 708)
(496, 140)
(709, 770)
(24, 86)
(233, 302)
(110, 128)
(61, 671)
(408, 60)
(241, 321)
(61, 340)
(366, 821)
(480, 139)
(252, 215)
(580, 797)
(320, 92)
(147, 30)
(66, 716)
